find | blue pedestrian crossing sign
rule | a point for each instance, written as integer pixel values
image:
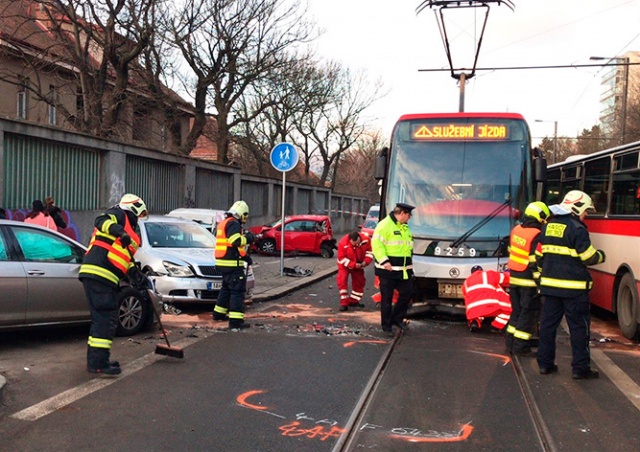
(284, 157)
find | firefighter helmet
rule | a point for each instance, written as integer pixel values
(134, 204)
(537, 210)
(577, 202)
(240, 210)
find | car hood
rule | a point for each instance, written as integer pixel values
(197, 256)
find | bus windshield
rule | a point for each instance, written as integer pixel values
(455, 184)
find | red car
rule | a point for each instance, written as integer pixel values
(309, 234)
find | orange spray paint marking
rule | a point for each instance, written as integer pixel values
(505, 359)
(352, 343)
(242, 399)
(462, 435)
(317, 432)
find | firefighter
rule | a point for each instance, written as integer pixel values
(484, 296)
(354, 254)
(108, 259)
(563, 254)
(524, 277)
(392, 245)
(231, 258)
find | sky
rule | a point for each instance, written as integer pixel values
(391, 43)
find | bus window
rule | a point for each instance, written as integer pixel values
(553, 187)
(596, 182)
(625, 193)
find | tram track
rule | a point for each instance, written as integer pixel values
(346, 439)
(544, 436)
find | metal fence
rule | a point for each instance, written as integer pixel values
(86, 175)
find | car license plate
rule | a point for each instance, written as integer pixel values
(214, 285)
(450, 290)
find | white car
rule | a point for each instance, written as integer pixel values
(179, 256)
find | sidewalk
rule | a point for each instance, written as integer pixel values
(269, 282)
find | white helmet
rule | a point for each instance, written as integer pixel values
(134, 204)
(577, 202)
(240, 210)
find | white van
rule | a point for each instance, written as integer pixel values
(206, 217)
(374, 212)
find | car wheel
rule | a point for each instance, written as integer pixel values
(267, 246)
(326, 251)
(627, 307)
(133, 312)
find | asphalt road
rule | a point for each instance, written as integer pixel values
(294, 382)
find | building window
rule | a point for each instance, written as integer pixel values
(53, 99)
(79, 103)
(23, 90)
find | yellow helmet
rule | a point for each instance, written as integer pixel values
(134, 204)
(577, 202)
(240, 210)
(538, 210)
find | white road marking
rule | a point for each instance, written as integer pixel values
(65, 398)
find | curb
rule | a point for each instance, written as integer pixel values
(3, 382)
(297, 283)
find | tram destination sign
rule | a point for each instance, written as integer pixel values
(456, 132)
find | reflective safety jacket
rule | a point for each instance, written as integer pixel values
(563, 254)
(349, 255)
(231, 244)
(392, 242)
(522, 254)
(106, 259)
(484, 294)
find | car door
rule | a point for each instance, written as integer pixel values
(296, 237)
(51, 263)
(13, 283)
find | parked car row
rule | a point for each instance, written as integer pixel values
(39, 274)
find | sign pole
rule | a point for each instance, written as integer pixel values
(284, 180)
(284, 157)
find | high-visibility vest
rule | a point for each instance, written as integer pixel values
(392, 242)
(564, 252)
(522, 255)
(226, 253)
(112, 264)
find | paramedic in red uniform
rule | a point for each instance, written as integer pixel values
(354, 254)
(484, 296)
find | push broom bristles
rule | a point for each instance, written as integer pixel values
(167, 350)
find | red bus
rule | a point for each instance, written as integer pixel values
(469, 176)
(612, 179)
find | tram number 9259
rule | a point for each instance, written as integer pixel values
(454, 252)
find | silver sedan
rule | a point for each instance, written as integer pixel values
(39, 283)
(179, 256)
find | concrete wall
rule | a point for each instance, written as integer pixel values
(17, 188)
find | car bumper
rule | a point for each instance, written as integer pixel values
(192, 290)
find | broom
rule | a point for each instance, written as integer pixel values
(161, 349)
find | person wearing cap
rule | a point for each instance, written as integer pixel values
(524, 277)
(40, 216)
(563, 254)
(108, 260)
(392, 246)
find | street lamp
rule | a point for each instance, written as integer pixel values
(555, 138)
(625, 92)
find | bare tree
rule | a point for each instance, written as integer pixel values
(90, 47)
(337, 125)
(229, 45)
(356, 174)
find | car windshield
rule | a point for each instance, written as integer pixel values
(178, 235)
(371, 223)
